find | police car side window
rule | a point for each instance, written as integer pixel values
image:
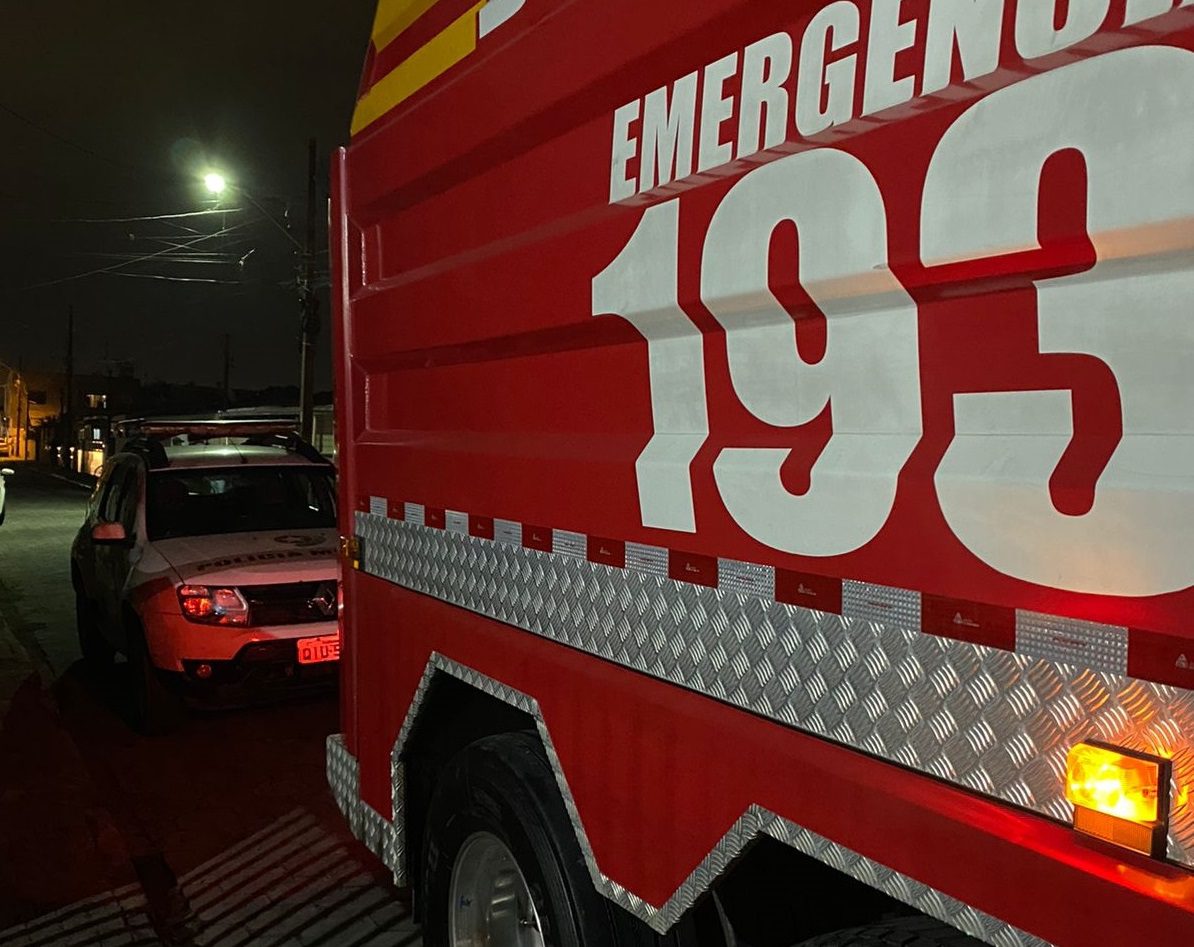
(126, 503)
(101, 484)
(110, 506)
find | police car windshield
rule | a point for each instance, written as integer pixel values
(199, 502)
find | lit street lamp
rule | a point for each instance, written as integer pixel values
(217, 184)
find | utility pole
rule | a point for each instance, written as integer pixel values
(68, 407)
(22, 410)
(227, 370)
(309, 301)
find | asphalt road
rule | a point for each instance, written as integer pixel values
(223, 832)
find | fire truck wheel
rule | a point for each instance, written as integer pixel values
(916, 931)
(97, 653)
(501, 864)
(156, 710)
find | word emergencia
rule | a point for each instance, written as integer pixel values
(851, 61)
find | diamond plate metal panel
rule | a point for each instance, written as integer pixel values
(344, 779)
(754, 822)
(1069, 641)
(988, 720)
(378, 834)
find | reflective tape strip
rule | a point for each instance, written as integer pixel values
(993, 721)
(746, 578)
(426, 64)
(643, 558)
(568, 543)
(873, 602)
(507, 531)
(414, 513)
(1070, 641)
(394, 17)
(1151, 656)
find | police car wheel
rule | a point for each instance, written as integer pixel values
(95, 649)
(155, 709)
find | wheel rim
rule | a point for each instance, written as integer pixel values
(491, 904)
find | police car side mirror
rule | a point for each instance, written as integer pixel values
(110, 534)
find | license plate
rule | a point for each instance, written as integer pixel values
(318, 650)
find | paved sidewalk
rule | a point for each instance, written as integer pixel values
(291, 885)
(223, 833)
(83, 481)
(15, 668)
(57, 838)
(107, 920)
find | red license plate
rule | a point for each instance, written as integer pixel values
(318, 650)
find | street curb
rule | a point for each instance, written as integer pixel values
(83, 485)
(16, 665)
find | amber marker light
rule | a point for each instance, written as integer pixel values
(1119, 796)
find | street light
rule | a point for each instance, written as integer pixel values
(216, 185)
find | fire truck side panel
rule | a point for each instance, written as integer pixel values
(517, 227)
(663, 779)
(789, 404)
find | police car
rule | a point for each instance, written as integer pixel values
(209, 556)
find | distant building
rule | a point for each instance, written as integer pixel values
(37, 424)
(13, 417)
(59, 432)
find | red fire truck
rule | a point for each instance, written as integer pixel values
(767, 464)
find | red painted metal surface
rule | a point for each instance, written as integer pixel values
(472, 222)
(637, 754)
(486, 216)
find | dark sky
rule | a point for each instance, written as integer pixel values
(115, 108)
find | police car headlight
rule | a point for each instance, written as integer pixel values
(213, 606)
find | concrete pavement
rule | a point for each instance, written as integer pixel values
(102, 830)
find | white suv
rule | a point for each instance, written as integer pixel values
(210, 557)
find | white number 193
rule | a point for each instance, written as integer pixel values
(1128, 113)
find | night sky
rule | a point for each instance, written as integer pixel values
(116, 108)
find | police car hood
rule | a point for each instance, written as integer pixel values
(266, 558)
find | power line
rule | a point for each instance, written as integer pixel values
(63, 140)
(202, 259)
(130, 220)
(143, 259)
(178, 279)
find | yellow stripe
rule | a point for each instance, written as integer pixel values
(425, 64)
(394, 16)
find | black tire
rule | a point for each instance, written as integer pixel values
(156, 710)
(916, 931)
(504, 785)
(97, 653)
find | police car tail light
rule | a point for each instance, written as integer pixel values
(213, 606)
